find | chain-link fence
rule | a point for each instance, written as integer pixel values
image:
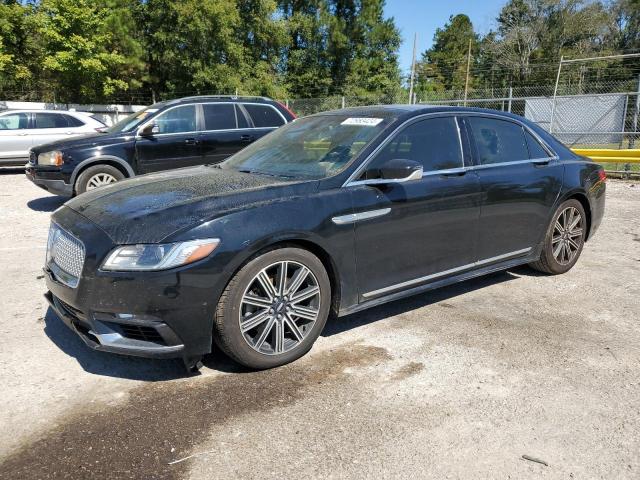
(605, 115)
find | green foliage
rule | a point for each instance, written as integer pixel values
(446, 59)
(141, 50)
(97, 50)
(526, 46)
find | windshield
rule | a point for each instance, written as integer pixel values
(312, 147)
(131, 121)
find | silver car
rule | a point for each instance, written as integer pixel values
(22, 129)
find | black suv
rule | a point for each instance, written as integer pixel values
(177, 133)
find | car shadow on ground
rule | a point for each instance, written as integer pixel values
(46, 204)
(11, 170)
(105, 364)
(101, 363)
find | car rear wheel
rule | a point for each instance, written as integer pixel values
(273, 309)
(564, 239)
(97, 176)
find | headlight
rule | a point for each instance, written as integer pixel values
(51, 158)
(159, 256)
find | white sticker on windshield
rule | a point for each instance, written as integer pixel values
(362, 121)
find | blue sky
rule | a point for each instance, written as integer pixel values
(424, 16)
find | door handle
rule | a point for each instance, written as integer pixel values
(454, 174)
(542, 162)
(246, 138)
(192, 141)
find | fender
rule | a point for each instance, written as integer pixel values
(99, 159)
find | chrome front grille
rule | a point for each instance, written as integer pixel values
(33, 158)
(65, 255)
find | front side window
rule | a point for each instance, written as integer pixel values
(50, 120)
(264, 116)
(131, 121)
(177, 120)
(309, 148)
(219, 116)
(498, 141)
(434, 142)
(14, 121)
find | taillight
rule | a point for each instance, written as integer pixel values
(287, 109)
(101, 129)
(602, 175)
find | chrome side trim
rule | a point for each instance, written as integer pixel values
(433, 276)
(356, 217)
(417, 175)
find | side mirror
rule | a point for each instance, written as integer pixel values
(149, 130)
(397, 170)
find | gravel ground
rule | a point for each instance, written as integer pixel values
(457, 383)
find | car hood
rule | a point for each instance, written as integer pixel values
(82, 141)
(149, 208)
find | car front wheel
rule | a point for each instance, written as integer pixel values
(564, 239)
(97, 176)
(274, 308)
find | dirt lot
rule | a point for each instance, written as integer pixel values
(458, 383)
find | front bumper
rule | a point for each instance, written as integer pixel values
(151, 314)
(136, 336)
(52, 185)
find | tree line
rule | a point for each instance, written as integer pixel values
(92, 51)
(524, 48)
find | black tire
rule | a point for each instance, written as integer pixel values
(228, 334)
(83, 179)
(548, 263)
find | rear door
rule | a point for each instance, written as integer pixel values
(520, 181)
(423, 230)
(15, 140)
(263, 118)
(226, 131)
(176, 143)
(50, 126)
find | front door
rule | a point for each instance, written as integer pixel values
(176, 143)
(15, 138)
(409, 234)
(520, 182)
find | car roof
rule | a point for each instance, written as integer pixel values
(40, 110)
(217, 98)
(398, 110)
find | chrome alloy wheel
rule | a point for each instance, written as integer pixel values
(100, 180)
(279, 307)
(567, 236)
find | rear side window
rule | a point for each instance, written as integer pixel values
(535, 149)
(498, 141)
(264, 116)
(433, 142)
(219, 116)
(73, 121)
(14, 121)
(51, 120)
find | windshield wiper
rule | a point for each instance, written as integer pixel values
(257, 172)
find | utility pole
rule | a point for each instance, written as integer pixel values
(636, 111)
(555, 95)
(466, 82)
(413, 68)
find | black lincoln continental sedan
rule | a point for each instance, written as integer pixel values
(332, 213)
